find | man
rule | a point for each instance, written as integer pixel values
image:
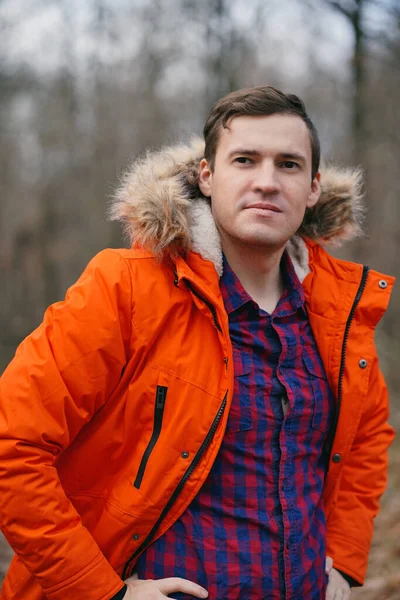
(205, 410)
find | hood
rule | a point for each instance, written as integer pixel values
(163, 210)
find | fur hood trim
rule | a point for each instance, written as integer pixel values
(163, 210)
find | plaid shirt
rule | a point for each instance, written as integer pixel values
(256, 530)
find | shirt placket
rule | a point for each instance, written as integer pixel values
(286, 470)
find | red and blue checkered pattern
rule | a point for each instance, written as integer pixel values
(256, 530)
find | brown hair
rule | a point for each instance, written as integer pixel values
(256, 101)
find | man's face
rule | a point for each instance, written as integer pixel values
(261, 184)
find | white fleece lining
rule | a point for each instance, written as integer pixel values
(206, 241)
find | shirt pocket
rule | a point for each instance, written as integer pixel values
(321, 394)
(240, 413)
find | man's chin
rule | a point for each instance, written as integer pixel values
(270, 242)
(255, 237)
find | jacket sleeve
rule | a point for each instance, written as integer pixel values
(61, 375)
(362, 483)
(121, 593)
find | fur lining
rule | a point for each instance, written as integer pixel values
(163, 210)
(339, 213)
(204, 234)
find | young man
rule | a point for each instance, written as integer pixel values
(205, 408)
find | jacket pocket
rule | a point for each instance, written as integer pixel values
(161, 395)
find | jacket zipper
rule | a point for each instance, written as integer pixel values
(180, 486)
(161, 395)
(343, 356)
(209, 304)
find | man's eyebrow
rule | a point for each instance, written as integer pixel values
(245, 151)
(252, 152)
(290, 155)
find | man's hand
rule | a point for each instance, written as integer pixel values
(338, 588)
(149, 589)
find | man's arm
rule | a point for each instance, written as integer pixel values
(363, 481)
(61, 375)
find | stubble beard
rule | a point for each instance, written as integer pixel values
(259, 241)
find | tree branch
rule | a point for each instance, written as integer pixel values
(344, 11)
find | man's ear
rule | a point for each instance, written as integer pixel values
(205, 178)
(315, 191)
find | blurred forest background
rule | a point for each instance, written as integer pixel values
(85, 85)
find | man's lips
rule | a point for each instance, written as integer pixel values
(264, 206)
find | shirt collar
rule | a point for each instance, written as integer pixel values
(235, 296)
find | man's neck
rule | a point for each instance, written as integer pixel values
(258, 270)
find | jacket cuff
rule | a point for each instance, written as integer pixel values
(352, 582)
(96, 581)
(121, 594)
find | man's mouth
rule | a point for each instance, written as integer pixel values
(264, 206)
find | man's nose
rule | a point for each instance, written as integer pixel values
(266, 179)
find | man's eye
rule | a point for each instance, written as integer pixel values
(243, 160)
(289, 164)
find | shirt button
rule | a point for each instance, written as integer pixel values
(185, 454)
(336, 458)
(383, 284)
(362, 363)
(136, 536)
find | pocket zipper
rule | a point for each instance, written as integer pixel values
(161, 395)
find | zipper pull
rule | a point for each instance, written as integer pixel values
(161, 395)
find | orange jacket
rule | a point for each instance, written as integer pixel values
(87, 481)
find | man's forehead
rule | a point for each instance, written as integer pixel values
(260, 133)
